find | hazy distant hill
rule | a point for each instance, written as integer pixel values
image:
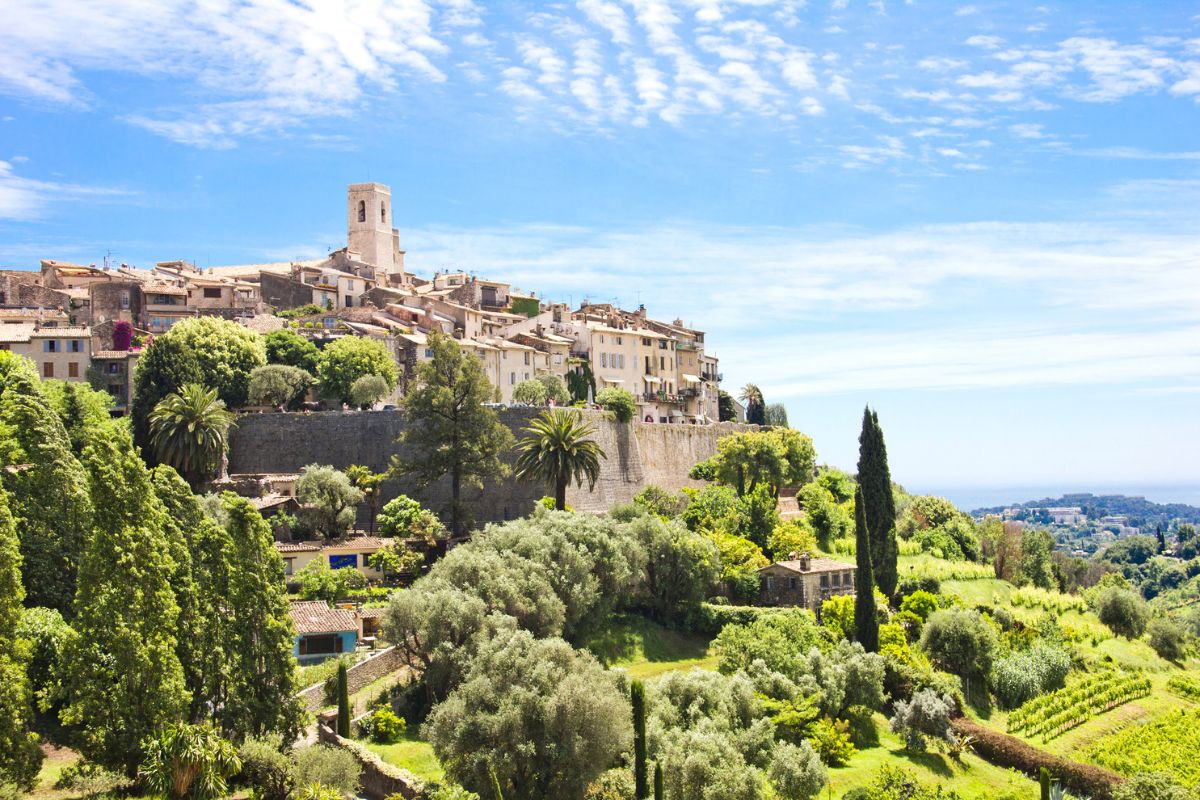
(1141, 512)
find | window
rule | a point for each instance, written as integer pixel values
(114, 368)
(75, 346)
(125, 299)
(645, 342)
(48, 369)
(662, 363)
(325, 644)
(837, 579)
(824, 581)
(527, 358)
(792, 584)
(212, 292)
(512, 378)
(51, 346)
(343, 561)
(770, 582)
(362, 211)
(619, 340)
(289, 566)
(73, 369)
(349, 301)
(429, 352)
(383, 212)
(604, 359)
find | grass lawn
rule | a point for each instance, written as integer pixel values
(973, 778)
(412, 754)
(57, 759)
(645, 649)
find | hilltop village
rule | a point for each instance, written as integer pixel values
(326, 530)
(63, 318)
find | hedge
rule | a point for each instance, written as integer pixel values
(1009, 751)
(710, 618)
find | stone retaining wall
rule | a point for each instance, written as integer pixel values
(357, 676)
(378, 779)
(638, 454)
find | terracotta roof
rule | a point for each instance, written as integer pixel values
(371, 613)
(814, 565)
(60, 333)
(30, 311)
(18, 332)
(297, 547)
(270, 500)
(315, 616)
(359, 543)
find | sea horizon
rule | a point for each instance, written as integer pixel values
(971, 498)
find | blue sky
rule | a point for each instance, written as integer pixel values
(982, 218)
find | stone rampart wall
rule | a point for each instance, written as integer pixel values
(638, 454)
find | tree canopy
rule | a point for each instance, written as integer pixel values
(451, 433)
(349, 358)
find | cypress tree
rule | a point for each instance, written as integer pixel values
(637, 697)
(1044, 781)
(47, 489)
(866, 626)
(261, 699)
(875, 481)
(658, 781)
(20, 756)
(343, 693)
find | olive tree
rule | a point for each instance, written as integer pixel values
(535, 716)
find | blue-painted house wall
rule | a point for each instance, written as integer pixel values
(349, 641)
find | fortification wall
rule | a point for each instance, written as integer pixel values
(638, 454)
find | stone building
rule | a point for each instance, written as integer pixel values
(804, 581)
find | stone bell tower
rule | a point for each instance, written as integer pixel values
(371, 234)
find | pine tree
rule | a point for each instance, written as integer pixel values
(875, 481)
(637, 697)
(451, 433)
(47, 487)
(343, 695)
(261, 698)
(20, 756)
(866, 625)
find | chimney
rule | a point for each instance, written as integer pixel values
(805, 562)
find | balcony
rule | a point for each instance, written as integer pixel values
(686, 346)
(662, 397)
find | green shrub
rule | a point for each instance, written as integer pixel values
(921, 603)
(1021, 676)
(620, 402)
(1168, 639)
(383, 726)
(1123, 611)
(266, 768)
(831, 740)
(329, 766)
(959, 641)
(1151, 786)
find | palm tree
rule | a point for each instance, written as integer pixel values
(752, 396)
(367, 482)
(188, 431)
(557, 449)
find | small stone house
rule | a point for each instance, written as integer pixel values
(323, 632)
(804, 581)
(339, 554)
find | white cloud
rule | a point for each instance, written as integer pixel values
(261, 64)
(1027, 130)
(25, 199)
